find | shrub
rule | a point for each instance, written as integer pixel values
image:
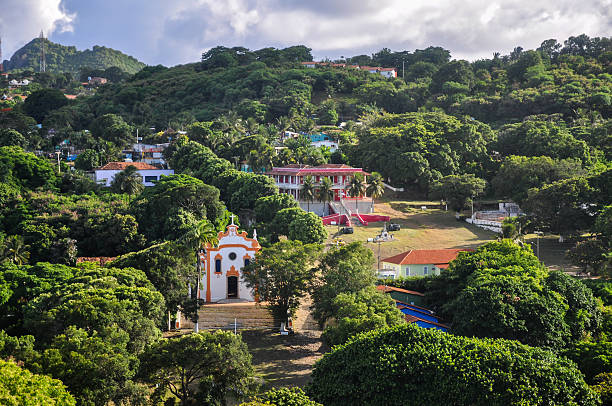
(410, 365)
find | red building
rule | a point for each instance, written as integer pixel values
(290, 179)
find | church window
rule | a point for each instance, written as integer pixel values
(247, 262)
(217, 266)
(232, 256)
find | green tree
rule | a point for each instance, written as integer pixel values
(204, 367)
(201, 234)
(87, 160)
(345, 269)
(96, 368)
(41, 102)
(11, 137)
(518, 174)
(266, 207)
(281, 275)
(439, 368)
(325, 193)
(19, 386)
(112, 128)
(287, 397)
(364, 310)
(456, 190)
(541, 138)
(128, 181)
(15, 251)
(167, 266)
(174, 205)
(307, 191)
(307, 228)
(562, 207)
(25, 170)
(356, 187)
(375, 187)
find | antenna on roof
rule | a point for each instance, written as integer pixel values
(43, 60)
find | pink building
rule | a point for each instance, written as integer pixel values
(290, 179)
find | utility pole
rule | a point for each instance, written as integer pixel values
(1, 66)
(403, 70)
(59, 168)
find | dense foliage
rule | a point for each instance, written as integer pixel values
(414, 366)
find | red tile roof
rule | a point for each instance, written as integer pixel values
(440, 258)
(324, 170)
(123, 165)
(387, 289)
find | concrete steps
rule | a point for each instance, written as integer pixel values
(222, 316)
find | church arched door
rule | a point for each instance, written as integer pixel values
(232, 287)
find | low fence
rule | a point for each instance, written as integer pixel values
(494, 226)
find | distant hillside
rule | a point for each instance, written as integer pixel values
(61, 58)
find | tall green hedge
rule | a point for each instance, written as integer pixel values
(408, 365)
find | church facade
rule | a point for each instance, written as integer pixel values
(222, 266)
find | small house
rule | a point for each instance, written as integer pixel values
(149, 173)
(403, 295)
(418, 263)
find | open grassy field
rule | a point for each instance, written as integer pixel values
(436, 229)
(421, 229)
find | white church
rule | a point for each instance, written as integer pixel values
(222, 266)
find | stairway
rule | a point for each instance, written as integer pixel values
(247, 315)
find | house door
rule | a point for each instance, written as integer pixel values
(232, 287)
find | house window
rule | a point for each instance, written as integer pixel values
(425, 270)
(232, 256)
(407, 271)
(150, 178)
(217, 266)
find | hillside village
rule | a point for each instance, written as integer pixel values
(258, 228)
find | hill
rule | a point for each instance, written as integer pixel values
(61, 58)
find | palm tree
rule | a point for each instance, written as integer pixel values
(375, 187)
(128, 181)
(356, 187)
(308, 190)
(15, 250)
(203, 232)
(325, 193)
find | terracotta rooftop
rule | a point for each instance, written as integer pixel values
(123, 165)
(387, 289)
(440, 258)
(326, 170)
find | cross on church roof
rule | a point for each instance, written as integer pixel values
(232, 216)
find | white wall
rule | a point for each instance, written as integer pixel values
(105, 177)
(232, 243)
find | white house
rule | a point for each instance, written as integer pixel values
(222, 266)
(332, 145)
(105, 174)
(388, 72)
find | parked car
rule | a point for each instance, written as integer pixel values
(347, 230)
(394, 227)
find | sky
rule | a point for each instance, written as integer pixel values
(172, 32)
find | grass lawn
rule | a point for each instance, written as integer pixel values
(421, 229)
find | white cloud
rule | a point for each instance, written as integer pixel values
(177, 31)
(470, 28)
(22, 20)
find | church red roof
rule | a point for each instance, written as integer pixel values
(440, 258)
